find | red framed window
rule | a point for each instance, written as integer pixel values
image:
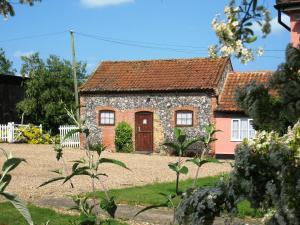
(184, 118)
(106, 118)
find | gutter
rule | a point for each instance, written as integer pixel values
(281, 22)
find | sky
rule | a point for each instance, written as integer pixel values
(151, 29)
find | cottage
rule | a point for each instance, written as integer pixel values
(155, 96)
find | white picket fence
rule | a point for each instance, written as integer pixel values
(4, 131)
(73, 141)
(7, 132)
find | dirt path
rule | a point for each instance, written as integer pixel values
(41, 160)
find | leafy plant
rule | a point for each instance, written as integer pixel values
(32, 135)
(201, 157)
(181, 145)
(8, 166)
(88, 166)
(265, 173)
(123, 138)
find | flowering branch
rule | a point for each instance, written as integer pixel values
(235, 32)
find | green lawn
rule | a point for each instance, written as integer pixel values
(10, 216)
(149, 194)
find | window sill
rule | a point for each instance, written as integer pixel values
(236, 140)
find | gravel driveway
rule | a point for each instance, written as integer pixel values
(41, 160)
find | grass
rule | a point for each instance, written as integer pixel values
(245, 210)
(149, 194)
(10, 216)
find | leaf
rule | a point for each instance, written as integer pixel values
(19, 205)
(173, 146)
(251, 39)
(209, 160)
(51, 181)
(70, 133)
(174, 166)
(188, 143)
(195, 160)
(113, 161)
(11, 163)
(81, 171)
(4, 182)
(183, 170)
(177, 132)
(151, 207)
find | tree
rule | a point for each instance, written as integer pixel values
(48, 91)
(275, 105)
(235, 33)
(5, 64)
(7, 9)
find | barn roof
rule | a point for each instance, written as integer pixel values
(157, 75)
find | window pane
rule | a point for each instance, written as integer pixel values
(107, 118)
(184, 118)
(244, 128)
(235, 130)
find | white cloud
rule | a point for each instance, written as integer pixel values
(18, 54)
(103, 3)
(275, 26)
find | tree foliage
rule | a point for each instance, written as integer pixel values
(48, 91)
(235, 33)
(275, 105)
(7, 9)
(5, 64)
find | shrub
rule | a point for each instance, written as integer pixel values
(123, 139)
(266, 173)
(32, 135)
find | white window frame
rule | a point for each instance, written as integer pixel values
(239, 129)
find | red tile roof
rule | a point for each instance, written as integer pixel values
(235, 80)
(156, 75)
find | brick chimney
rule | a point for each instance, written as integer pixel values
(292, 9)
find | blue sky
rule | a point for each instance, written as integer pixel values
(167, 23)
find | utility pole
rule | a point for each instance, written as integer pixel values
(74, 66)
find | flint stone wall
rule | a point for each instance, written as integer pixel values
(163, 105)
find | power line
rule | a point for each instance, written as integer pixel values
(33, 36)
(135, 43)
(138, 45)
(143, 42)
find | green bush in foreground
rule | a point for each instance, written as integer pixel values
(266, 173)
(123, 139)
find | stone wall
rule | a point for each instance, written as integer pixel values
(163, 106)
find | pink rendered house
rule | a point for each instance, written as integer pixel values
(292, 9)
(229, 118)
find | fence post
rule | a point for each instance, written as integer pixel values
(41, 128)
(10, 135)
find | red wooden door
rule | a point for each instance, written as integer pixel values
(144, 131)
